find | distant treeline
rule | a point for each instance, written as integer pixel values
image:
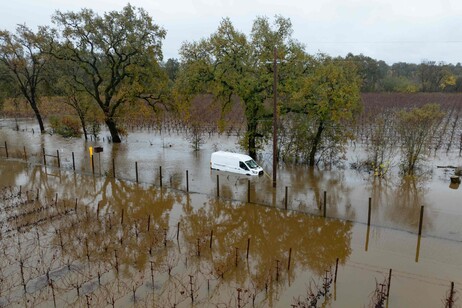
(378, 76)
(428, 76)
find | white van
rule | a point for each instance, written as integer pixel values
(234, 162)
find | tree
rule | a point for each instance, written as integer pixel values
(435, 77)
(21, 55)
(399, 84)
(329, 95)
(382, 142)
(416, 128)
(371, 71)
(229, 65)
(172, 66)
(110, 52)
(6, 84)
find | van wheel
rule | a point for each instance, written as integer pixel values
(248, 174)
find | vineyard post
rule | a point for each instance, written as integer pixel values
(136, 171)
(248, 191)
(290, 257)
(369, 212)
(336, 268)
(92, 164)
(421, 219)
(248, 247)
(218, 186)
(73, 162)
(187, 181)
(389, 283)
(211, 238)
(44, 157)
(178, 232)
(451, 296)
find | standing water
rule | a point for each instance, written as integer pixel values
(148, 224)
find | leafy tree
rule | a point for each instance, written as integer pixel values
(382, 142)
(21, 55)
(61, 85)
(330, 97)
(371, 71)
(229, 65)
(416, 128)
(399, 84)
(110, 52)
(172, 66)
(6, 84)
(435, 77)
(403, 69)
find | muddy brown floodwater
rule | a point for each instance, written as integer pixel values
(168, 232)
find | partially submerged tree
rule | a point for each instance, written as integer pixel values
(416, 128)
(382, 142)
(230, 66)
(21, 55)
(329, 96)
(109, 51)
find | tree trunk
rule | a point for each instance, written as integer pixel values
(84, 126)
(251, 135)
(316, 142)
(34, 106)
(113, 130)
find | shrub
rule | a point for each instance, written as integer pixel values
(66, 126)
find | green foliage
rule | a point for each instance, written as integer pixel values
(330, 96)
(22, 57)
(371, 71)
(230, 65)
(435, 77)
(115, 56)
(416, 128)
(66, 126)
(172, 67)
(399, 84)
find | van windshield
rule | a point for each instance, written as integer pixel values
(252, 164)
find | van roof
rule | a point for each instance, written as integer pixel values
(242, 157)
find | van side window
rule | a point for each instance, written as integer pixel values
(243, 166)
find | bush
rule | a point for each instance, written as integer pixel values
(66, 126)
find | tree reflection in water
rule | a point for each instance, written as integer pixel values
(111, 242)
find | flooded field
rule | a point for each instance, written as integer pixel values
(149, 225)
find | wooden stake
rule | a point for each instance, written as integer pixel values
(336, 268)
(389, 283)
(218, 186)
(248, 247)
(187, 181)
(369, 212)
(248, 191)
(290, 257)
(178, 232)
(211, 239)
(421, 219)
(73, 162)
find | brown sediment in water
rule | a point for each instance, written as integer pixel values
(90, 239)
